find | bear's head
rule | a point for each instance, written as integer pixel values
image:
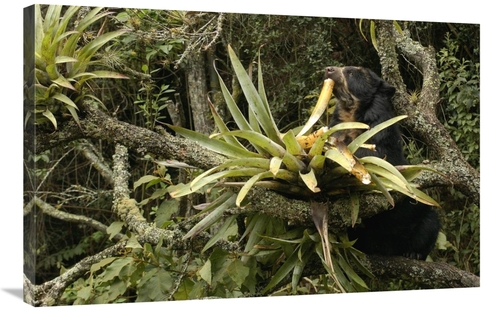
(357, 84)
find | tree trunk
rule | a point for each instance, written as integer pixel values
(197, 92)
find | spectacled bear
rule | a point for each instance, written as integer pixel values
(409, 229)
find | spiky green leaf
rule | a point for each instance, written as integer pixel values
(211, 218)
(363, 138)
(254, 100)
(215, 145)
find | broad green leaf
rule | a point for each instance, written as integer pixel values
(335, 155)
(98, 265)
(62, 81)
(383, 164)
(85, 292)
(145, 179)
(256, 228)
(65, 99)
(177, 191)
(114, 268)
(60, 59)
(133, 243)
(114, 228)
(165, 211)
(411, 172)
(383, 168)
(39, 31)
(317, 163)
(88, 51)
(354, 199)
(261, 87)
(350, 273)
(237, 271)
(292, 163)
(156, 287)
(299, 268)
(90, 18)
(206, 272)
(424, 198)
(74, 114)
(107, 74)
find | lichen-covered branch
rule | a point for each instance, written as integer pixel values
(426, 274)
(422, 120)
(98, 125)
(88, 150)
(62, 215)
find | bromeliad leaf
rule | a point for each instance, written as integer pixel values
(215, 145)
(254, 100)
(211, 218)
(362, 138)
(310, 181)
(320, 107)
(223, 128)
(260, 140)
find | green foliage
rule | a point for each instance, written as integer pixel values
(61, 64)
(461, 247)
(155, 42)
(460, 88)
(151, 101)
(157, 274)
(60, 258)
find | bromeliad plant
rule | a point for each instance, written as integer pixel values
(295, 163)
(62, 63)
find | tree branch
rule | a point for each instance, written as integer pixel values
(426, 274)
(422, 120)
(98, 125)
(62, 215)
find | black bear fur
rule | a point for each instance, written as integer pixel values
(409, 229)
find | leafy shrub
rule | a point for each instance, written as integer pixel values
(460, 89)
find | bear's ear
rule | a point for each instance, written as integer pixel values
(387, 89)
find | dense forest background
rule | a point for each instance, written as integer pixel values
(294, 51)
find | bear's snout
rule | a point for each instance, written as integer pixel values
(333, 73)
